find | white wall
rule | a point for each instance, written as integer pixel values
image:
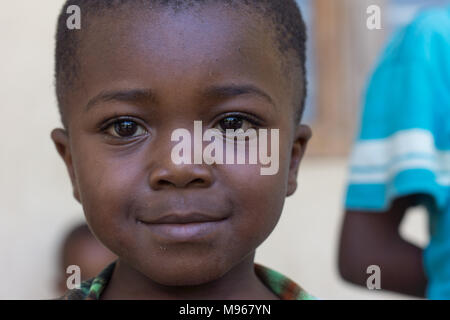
(37, 207)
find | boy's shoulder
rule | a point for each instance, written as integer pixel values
(91, 289)
(280, 285)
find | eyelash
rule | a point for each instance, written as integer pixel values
(255, 121)
(106, 124)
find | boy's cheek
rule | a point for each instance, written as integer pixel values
(255, 193)
(103, 184)
(105, 196)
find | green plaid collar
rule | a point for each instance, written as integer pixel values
(280, 285)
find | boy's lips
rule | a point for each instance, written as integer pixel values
(184, 218)
(184, 227)
(186, 232)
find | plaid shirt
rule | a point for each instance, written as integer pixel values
(281, 286)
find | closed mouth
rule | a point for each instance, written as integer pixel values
(177, 228)
(182, 218)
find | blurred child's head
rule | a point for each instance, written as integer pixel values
(137, 71)
(82, 249)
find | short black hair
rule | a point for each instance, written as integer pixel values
(285, 15)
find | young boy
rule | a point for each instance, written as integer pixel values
(136, 72)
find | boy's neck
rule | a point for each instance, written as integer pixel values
(240, 283)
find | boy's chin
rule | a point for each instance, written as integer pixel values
(186, 279)
(186, 274)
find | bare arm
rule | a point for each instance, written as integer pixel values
(369, 238)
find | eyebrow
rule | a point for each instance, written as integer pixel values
(231, 91)
(136, 95)
(125, 95)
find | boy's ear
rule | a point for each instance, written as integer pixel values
(61, 140)
(302, 135)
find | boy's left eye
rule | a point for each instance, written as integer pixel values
(234, 123)
(125, 128)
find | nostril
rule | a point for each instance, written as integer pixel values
(197, 181)
(164, 183)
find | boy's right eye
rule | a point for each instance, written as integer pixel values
(125, 128)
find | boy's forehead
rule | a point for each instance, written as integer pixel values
(191, 47)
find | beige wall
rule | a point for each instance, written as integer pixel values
(37, 207)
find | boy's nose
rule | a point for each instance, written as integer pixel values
(181, 176)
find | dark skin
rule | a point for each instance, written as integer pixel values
(374, 239)
(193, 62)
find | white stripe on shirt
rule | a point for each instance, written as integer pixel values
(378, 160)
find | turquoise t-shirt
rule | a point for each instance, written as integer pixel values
(403, 146)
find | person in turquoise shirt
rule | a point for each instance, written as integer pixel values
(401, 159)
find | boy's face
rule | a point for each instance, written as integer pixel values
(122, 173)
